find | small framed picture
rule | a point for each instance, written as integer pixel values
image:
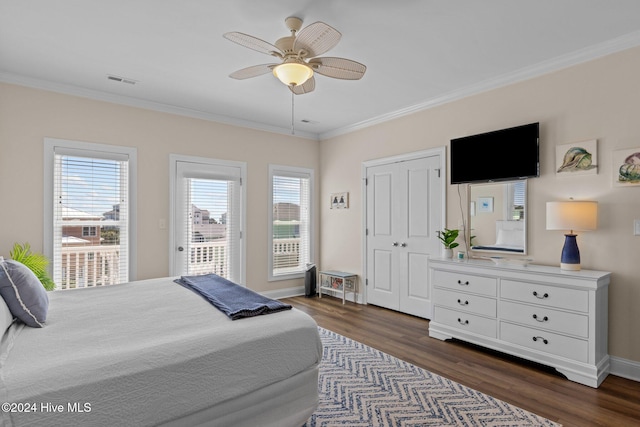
(579, 158)
(340, 200)
(485, 204)
(626, 167)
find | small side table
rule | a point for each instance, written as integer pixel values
(340, 282)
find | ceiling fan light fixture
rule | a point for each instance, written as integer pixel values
(293, 73)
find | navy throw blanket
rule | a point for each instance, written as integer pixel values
(234, 300)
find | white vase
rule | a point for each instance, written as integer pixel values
(447, 253)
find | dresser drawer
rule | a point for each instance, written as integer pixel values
(465, 302)
(560, 345)
(466, 282)
(548, 296)
(545, 318)
(465, 321)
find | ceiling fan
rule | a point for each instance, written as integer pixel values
(299, 56)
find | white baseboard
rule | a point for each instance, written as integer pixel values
(624, 368)
(284, 293)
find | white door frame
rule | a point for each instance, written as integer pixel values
(441, 151)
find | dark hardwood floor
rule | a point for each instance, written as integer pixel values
(532, 387)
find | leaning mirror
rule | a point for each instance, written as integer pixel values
(497, 217)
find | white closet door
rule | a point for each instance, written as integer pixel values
(404, 205)
(382, 241)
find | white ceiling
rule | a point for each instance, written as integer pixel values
(418, 53)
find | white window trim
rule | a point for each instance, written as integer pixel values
(173, 182)
(90, 149)
(273, 169)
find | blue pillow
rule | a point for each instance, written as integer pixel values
(24, 294)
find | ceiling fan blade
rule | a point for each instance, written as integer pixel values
(253, 43)
(306, 87)
(338, 68)
(316, 39)
(254, 71)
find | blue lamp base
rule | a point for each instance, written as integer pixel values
(570, 259)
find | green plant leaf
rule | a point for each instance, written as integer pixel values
(448, 237)
(35, 262)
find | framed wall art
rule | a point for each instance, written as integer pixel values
(485, 204)
(580, 158)
(340, 200)
(626, 167)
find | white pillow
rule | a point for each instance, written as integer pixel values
(512, 238)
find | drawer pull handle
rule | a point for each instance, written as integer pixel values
(463, 303)
(544, 319)
(461, 283)
(466, 322)
(544, 340)
(535, 294)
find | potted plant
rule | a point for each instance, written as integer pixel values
(448, 237)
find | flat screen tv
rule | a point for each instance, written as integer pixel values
(501, 155)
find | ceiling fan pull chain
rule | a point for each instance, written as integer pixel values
(292, 105)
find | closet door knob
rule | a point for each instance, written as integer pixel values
(394, 244)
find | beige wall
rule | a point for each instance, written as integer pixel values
(599, 99)
(596, 100)
(27, 116)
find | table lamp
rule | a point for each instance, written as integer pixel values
(572, 216)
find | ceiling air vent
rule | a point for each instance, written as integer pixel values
(122, 79)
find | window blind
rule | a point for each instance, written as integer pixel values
(291, 222)
(518, 193)
(90, 219)
(213, 217)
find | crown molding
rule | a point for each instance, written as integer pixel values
(577, 57)
(145, 104)
(565, 61)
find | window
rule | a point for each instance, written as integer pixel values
(516, 200)
(290, 221)
(89, 231)
(89, 213)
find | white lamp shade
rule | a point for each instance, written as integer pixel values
(293, 73)
(582, 216)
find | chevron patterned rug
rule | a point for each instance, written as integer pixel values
(362, 386)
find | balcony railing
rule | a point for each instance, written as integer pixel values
(89, 266)
(208, 257)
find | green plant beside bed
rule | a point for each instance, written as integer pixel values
(35, 262)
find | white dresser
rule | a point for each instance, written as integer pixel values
(540, 313)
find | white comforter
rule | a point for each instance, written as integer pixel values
(143, 353)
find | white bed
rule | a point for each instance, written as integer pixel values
(154, 353)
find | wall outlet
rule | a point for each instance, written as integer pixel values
(636, 227)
